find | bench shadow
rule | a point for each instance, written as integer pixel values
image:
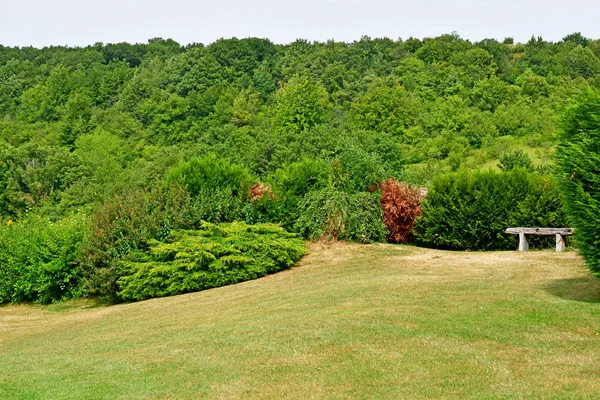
(586, 289)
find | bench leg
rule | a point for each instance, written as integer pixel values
(523, 245)
(560, 243)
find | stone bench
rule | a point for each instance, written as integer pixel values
(559, 232)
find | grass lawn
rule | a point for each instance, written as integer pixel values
(348, 322)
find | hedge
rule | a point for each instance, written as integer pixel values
(470, 211)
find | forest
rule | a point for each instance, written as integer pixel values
(124, 163)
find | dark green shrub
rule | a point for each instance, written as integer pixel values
(38, 260)
(210, 173)
(219, 205)
(129, 221)
(297, 179)
(215, 255)
(541, 207)
(365, 219)
(465, 211)
(289, 185)
(333, 214)
(323, 214)
(579, 167)
(515, 159)
(361, 170)
(126, 223)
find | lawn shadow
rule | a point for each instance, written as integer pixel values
(76, 304)
(585, 289)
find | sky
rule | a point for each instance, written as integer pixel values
(42, 23)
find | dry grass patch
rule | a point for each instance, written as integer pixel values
(349, 321)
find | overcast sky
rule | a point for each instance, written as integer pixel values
(79, 22)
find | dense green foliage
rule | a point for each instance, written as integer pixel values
(288, 187)
(78, 125)
(470, 211)
(127, 223)
(210, 174)
(515, 159)
(37, 260)
(331, 213)
(579, 164)
(213, 256)
(146, 139)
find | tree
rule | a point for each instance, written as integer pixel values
(301, 104)
(76, 115)
(43, 101)
(579, 170)
(583, 62)
(577, 38)
(475, 64)
(193, 71)
(533, 85)
(418, 77)
(384, 108)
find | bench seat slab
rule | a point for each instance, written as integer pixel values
(541, 231)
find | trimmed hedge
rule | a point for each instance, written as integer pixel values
(215, 255)
(579, 166)
(470, 211)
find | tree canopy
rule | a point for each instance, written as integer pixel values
(78, 125)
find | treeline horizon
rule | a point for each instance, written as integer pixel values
(505, 40)
(78, 125)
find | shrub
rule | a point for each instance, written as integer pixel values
(323, 214)
(220, 205)
(360, 168)
(211, 173)
(295, 180)
(515, 159)
(126, 223)
(465, 211)
(215, 255)
(365, 219)
(333, 214)
(129, 221)
(401, 206)
(579, 168)
(38, 260)
(259, 190)
(542, 206)
(288, 186)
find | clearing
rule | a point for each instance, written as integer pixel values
(349, 321)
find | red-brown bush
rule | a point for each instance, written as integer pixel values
(401, 206)
(258, 190)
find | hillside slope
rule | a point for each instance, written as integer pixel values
(349, 321)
